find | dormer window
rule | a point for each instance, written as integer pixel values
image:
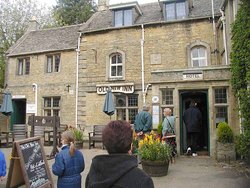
(124, 14)
(175, 10)
(123, 17)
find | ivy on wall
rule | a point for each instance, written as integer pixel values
(240, 68)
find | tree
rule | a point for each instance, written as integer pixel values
(14, 20)
(240, 67)
(70, 12)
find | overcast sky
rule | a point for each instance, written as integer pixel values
(53, 2)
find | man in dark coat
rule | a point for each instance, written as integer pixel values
(192, 119)
(118, 168)
(143, 122)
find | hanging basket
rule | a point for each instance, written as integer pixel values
(155, 168)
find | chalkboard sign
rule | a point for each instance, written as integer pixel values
(29, 159)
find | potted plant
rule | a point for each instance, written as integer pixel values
(78, 134)
(225, 150)
(155, 155)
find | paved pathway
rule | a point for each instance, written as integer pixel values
(187, 172)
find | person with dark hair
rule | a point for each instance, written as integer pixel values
(69, 163)
(118, 168)
(143, 122)
(192, 119)
(2, 166)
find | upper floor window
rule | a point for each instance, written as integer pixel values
(123, 17)
(198, 56)
(175, 10)
(116, 65)
(23, 66)
(53, 63)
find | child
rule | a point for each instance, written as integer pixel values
(2, 166)
(69, 163)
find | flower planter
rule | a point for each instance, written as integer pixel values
(225, 152)
(155, 168)
(79, 144)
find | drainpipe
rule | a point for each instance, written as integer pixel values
(34, 85)
(223, 19)
(142, 65)
(77, 65)
(214, 33)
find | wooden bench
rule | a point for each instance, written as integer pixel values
(20, 131)
(95, 135)
(7, 136)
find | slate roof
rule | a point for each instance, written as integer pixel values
(46, 40)
(151, 13)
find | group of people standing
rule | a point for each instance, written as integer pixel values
(118, 168)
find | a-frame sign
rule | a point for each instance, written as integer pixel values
(28, 165)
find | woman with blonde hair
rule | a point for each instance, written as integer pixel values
(69, 163)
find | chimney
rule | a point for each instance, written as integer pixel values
(103, 5)
(33, 25)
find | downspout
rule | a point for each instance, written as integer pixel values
(223, 19)
(77, 76)
(142, 65)
(34, 85)
(214, 33)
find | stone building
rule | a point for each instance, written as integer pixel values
(41, 73)
(165, 54)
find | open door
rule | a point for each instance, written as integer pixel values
(201, 98)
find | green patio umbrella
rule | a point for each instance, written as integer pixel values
(109, 107)
(6, 107)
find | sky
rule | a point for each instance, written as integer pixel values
(53, 2)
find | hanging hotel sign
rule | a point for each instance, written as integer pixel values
(116, 88)
(192, 76)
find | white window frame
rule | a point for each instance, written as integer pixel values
(200, 58)
(195, 44)
(109, 65)
(51, 108)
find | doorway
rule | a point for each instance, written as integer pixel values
(201, 98)
(19, 114)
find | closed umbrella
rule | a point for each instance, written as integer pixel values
(109, 108)
(6, 107)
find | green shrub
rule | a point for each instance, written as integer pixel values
(224, 133)
(159, 128)
(242, 144)
(78, 134)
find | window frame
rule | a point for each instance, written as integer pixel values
(123, 17)
(175, 10)
(199, 58)
(53, 66)
(165, 105)
(51, 108)
(108, 65)
(23, 66)
(220, 105)
(127, 108)
(194, 44)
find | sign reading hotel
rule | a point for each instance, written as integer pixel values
(116, 88)
(193, 76)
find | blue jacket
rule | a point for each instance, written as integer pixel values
(68, 169)
(2, 164)
(143, 122)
